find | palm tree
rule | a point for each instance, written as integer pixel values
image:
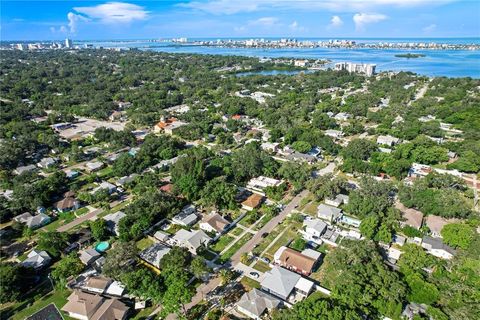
(226, 275)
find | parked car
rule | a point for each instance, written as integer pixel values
(254, 274)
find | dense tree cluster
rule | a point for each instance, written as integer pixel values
(437, 194)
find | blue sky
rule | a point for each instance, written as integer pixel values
(35, 20)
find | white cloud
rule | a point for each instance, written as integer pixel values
(114, 12)
(430, 28)
(61, 29)
(219, 7)
(294, 26)
(362, 19)
(73, 20)
(265, 21)
(335, 22)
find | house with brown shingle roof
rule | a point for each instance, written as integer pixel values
(87, 306)
(214, 223)
(67, 204)
(436, 224)
(254, 201)
(294, 260)
(412, 217)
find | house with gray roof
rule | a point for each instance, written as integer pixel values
(437, 248)
(88, 256)
(186, 217)
(33, 221)
(20, 170)
(255, 303)
(113, 220)
(37, 260)
(192, 240)
(47, 163)
(284, 283)
(328, 213)
(154, 254)
(313, 229)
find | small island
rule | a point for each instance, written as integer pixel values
(410, 55)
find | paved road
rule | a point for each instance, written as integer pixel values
(80, 220)
(204, 289)
(90, 216)
(268, 227)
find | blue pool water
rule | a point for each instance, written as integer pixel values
(102, 246)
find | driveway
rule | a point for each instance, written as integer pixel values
(88, 216)
(204, 289)
(268, 227)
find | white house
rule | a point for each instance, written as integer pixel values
(284, 284)
(37, 259)
(314, 228)
(387, 140)
(214, 223)
(113, 220)
(255, 303)
(337, 134)
(437, 248)
(328, 213)
(192, 240)
(259, 184)
(186, 217)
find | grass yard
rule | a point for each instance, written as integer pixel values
(261, 266)
(64, 218)
(104, 172)
(144, 243)
(143, 314)
(207, 254)
(263, 221)
(311, 208)
(224, 241)
(236, 232)
(290, 234)
(249, 283)
(21, 310)
(271, 236)
(230, 252)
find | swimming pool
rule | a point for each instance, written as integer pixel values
(102, 246)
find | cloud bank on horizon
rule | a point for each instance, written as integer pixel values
(239, 18)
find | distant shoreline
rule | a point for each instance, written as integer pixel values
(410, 55)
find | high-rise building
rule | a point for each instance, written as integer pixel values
(68, 43)
(367, 69)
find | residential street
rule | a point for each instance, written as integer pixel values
(267, 228)
(204, 289)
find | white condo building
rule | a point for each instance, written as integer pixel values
(367, 69)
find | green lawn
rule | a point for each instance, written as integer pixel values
(263, 221)
(230, 252)
(104, 172)
(224, 241)
(144, 243)
(207, 254)
(311, 208)
(271, 236)
(142, 314)
(236, 232)
(290, 234)
(64, 218)
(261, 266)
(24, 309)
(249, 283)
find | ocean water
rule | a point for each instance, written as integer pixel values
(436, 63)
